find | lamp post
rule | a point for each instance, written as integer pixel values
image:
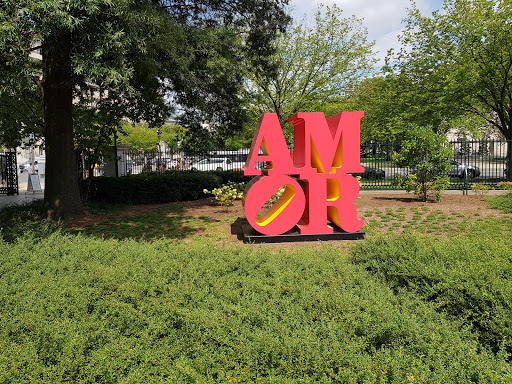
(159, 133)
(115, 151)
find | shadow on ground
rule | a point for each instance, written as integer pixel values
(168, 222)
(405, 199)
(236, 227)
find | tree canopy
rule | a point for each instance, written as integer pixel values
(460, 58)
(123, 59)
(315, 65)
(141, 137)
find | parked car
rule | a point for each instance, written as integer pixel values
(459, 168)
(371, 173)
(138, 162)
(24, 166)
(217, 164)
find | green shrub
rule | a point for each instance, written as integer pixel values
(480, 189)
(152, 187)
(506, 185)
(468, 278)
(231, 176)
(22, 219)
(85, 310)
(227, 194)
(435, 184)
(427, 153)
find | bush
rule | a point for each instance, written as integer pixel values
(467, 278)
(480, 189)
(16, 221)
(421, 187)
(151, 188)
(506, 185)
(85, 310)
(231, 176)
(227, 194)
(427, 153)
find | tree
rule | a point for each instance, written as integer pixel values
(428, 154)
(133, 52)
(392, 103)
(21, 115)
(314, 66)
(461, 59)
(142, 137)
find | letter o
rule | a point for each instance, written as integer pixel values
(284, 214)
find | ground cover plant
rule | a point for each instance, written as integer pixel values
(502, 203)
(82, 309)
(467, 278)
(184, 301)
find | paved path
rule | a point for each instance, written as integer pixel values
(23, 197)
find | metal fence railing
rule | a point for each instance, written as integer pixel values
(8, 174)
(483, 162)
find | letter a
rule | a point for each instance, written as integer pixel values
(269, 137)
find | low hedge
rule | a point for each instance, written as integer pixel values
(78, 309)
(234, 176)
(466, 278)
(149, 188)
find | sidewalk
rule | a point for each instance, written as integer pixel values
(22, 198)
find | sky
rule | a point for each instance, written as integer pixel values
(382, 18)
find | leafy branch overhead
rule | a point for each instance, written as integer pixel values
(461, 59)
(123, 59)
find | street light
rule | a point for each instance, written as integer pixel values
(159, 133)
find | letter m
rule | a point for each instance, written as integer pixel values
(327, 144)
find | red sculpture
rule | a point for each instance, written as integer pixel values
(319, 187)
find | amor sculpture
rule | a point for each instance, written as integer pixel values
(319, 188)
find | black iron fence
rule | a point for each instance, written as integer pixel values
(482, 162)
(8, 174)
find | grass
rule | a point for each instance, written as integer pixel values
(168, 222)
(109, 304)
(502, 203)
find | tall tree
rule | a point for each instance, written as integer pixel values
(393, 102)
(134, 50)
(461, 58)
(315, 65)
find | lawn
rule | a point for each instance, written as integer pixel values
(168, 294)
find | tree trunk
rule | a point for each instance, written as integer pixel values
(62, 195)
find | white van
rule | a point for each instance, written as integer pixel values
(217, 164)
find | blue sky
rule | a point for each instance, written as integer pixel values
(382, 18)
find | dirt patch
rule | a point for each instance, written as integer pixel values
(371, 207)
(449, 202)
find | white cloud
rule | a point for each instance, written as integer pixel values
(383, 19)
